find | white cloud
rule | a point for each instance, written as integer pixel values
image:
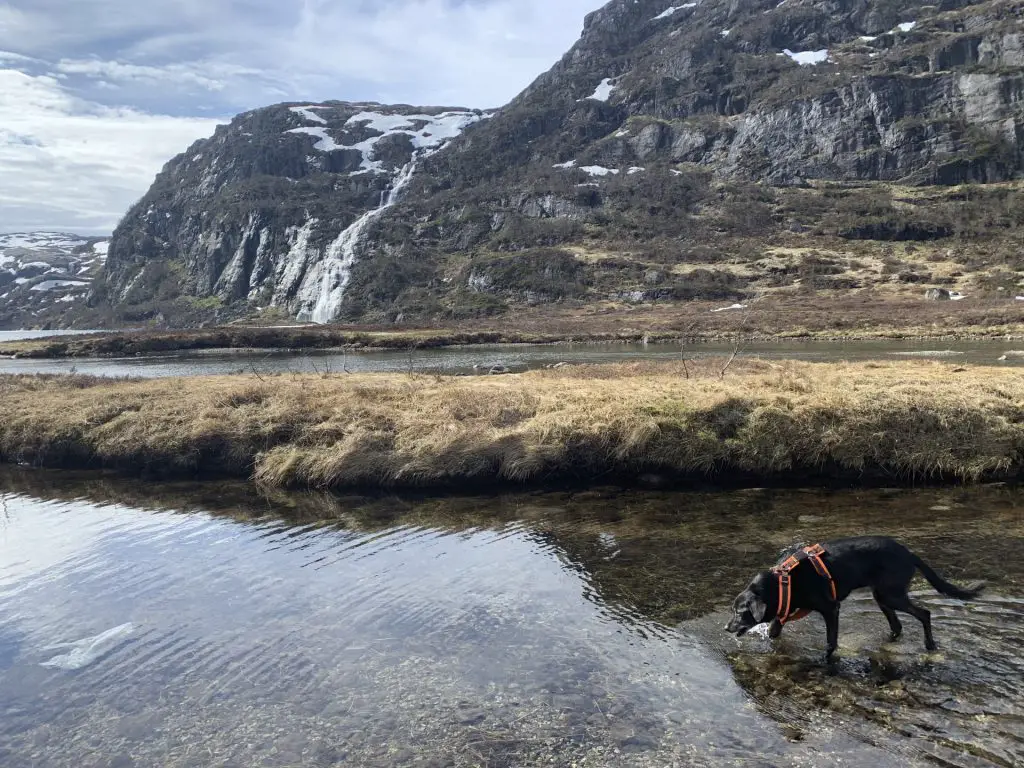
(474, 53)
(210, 76)
(7, 57)
(98, 95)
(72, 165)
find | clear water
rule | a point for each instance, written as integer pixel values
(535, 629)
(479, 359)
(24, 334)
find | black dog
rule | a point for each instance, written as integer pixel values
(880, 563)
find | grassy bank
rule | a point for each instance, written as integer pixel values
(129, 343)
(842, 316)
(761, 422)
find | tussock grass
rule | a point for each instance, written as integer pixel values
(762, 421)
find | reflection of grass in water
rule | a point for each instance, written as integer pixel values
(670, 556)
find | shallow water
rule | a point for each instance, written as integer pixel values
(515, 357)
(219, 627)
(26, 334)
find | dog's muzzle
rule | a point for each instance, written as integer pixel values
(737, 629)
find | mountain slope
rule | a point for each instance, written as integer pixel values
(44, 276)
(710, 150)
(265, 213)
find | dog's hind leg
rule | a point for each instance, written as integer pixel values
(902, 602)
(895, 628)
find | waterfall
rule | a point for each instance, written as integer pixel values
(336, 268)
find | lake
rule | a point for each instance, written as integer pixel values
(461, 360)
(205, 624)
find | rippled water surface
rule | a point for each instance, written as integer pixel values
(480, 358)
(195, 625)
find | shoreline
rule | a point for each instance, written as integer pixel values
(116, 344)
(816, 317)
(657, 425)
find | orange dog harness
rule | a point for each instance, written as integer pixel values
(782, 571)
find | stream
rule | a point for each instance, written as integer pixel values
(481, 358)
(196, 624)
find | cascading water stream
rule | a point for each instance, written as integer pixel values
(336, 268)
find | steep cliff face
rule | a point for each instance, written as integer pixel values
(672, 153)
(269, 211)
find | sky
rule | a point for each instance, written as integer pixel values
(96, 95)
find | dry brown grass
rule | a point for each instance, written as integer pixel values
(763, 421)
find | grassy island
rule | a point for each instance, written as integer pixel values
(753, 422)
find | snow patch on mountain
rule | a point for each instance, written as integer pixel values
(598, 170)
(673, 9)
(319, 278)
(424, 131)
(325, 143)
(39, 269)
(308, 114)
(603, 92)
(807, 58)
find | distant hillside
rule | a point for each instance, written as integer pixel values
(45, 276)
(707, 150)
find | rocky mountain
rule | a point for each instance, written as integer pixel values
(713, 149)
(45, 276)
(270, 210)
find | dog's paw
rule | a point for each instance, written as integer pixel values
(931, 645)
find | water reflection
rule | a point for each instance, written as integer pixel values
(308, 629)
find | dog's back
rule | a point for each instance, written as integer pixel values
(884, 565)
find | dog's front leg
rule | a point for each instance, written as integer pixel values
(775, 629)
(831, 630)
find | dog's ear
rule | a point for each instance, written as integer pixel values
(758, 608)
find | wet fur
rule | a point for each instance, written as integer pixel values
(876, 562)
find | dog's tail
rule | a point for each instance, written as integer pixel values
(944, 586)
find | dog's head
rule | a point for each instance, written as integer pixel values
(751, 606)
